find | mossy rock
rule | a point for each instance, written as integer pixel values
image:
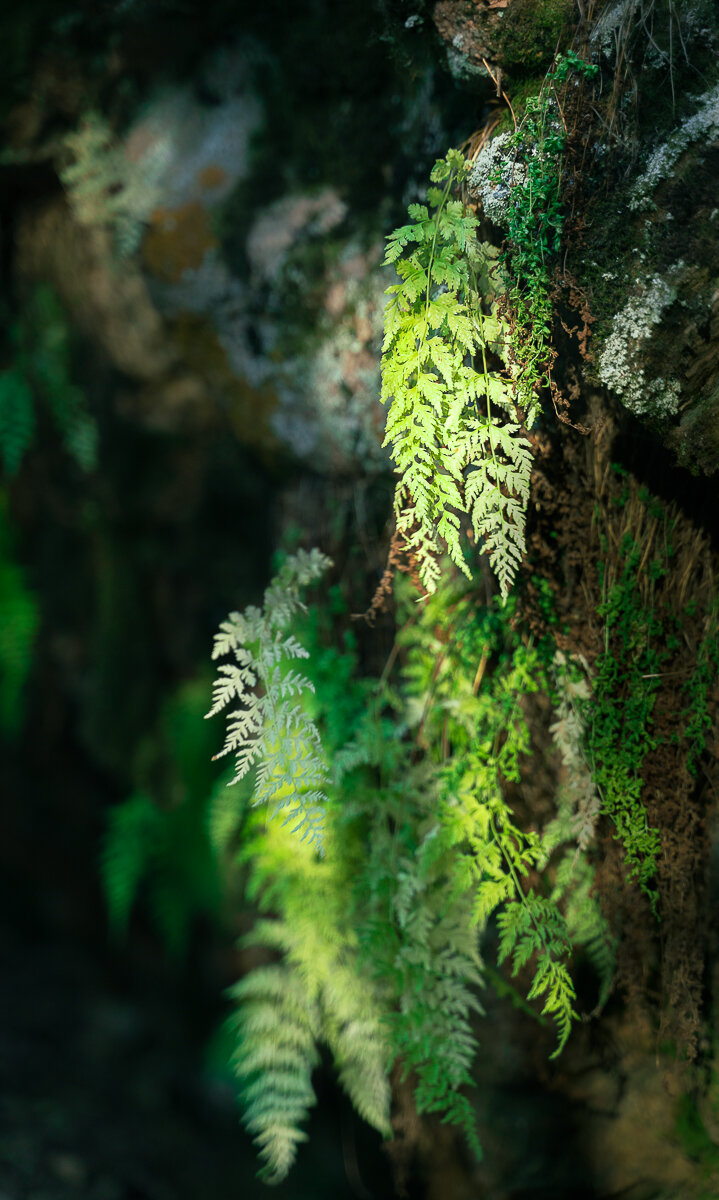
(531, 32)
(696, 440)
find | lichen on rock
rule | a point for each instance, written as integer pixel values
(703, 125)
(621, 364)
(494, 174)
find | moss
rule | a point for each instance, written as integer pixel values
(696, 441)
(693, 1138)
(531, 33)
(520, 93)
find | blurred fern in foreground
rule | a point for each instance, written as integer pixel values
(157, 840)
(19, 618)
(40, 374)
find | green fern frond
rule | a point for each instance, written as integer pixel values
(456, 466)
(279, 740)
(130, 845)
(17, 419)
(42, 376)
(380, 937)
(19, 619)
(533, 927)
(277, 1026)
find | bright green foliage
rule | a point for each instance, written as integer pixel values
(18, 627)
(271, 731)
(320, 993)
(490, 737)
(619, 717)
(158, 837)
(277, 1029)
(535, 927)
(380, 936)
(457, 460)
(698, 689)
(535, 219)
(42, 374)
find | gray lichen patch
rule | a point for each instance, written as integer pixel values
(494, 174)
(622, 361)
(703, 126)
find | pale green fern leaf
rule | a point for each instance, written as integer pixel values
(277, 1025)
(279, 740)
(455, 469)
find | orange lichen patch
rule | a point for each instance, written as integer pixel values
(248, 408)
(177, 240)
(212, 176)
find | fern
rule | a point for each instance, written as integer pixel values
(619, 721)
(456, 459)
(129, 849)
(379, 938)
(158, 836)
(320, 993)
(41, 375)
(51, 374)
(17, 419)
(277, 1028)
(490, 739)
(579, 802)
(19, 618)
(573, 828)
(272, 732)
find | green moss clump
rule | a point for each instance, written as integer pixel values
(693, 1137)
(696, 441)
(532, 32)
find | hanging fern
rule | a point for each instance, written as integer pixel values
(455, 434)
(475, 826)
(41, 377)
(157, 842)
(19, 618)
(17, 419)
(321, 993)
(277, 1030)
(271, 731)
(379, 939)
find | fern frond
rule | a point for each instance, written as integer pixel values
(130, 843)
(277, 1025)
(19, 620)
(434, 326)
(279, 739)
(17, 419)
